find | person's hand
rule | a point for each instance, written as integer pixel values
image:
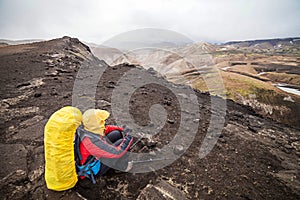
(126, 142)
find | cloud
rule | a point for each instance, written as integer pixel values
(99, 20)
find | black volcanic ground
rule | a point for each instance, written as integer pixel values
(254, 158)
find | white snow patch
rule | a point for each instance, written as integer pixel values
(225, 68)
(261, 73)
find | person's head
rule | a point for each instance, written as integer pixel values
(94, 120)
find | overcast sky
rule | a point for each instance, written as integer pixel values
(99, 20)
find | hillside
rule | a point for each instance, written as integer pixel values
(254, 157)
(257, 73)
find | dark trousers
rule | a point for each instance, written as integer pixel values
(115, 138)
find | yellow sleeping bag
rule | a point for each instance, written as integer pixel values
(60, 171)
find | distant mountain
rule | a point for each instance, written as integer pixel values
(148, 37)
(167, 61)
(16, 42)
(273, 42)
(3, 44)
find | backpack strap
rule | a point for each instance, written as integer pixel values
(86, 169)
(92, 165)
(77, 141)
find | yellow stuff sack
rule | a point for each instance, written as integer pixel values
(60, 171)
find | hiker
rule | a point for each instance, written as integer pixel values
(95, 142)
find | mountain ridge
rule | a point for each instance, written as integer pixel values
(93, 44)
(256, 41)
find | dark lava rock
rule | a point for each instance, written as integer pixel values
(170, 121)
(253, 129)
(23, 84)
(37, 94)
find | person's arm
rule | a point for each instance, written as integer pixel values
(110, 128)
(101, 149)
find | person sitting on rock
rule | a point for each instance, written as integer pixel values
(95, 142)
